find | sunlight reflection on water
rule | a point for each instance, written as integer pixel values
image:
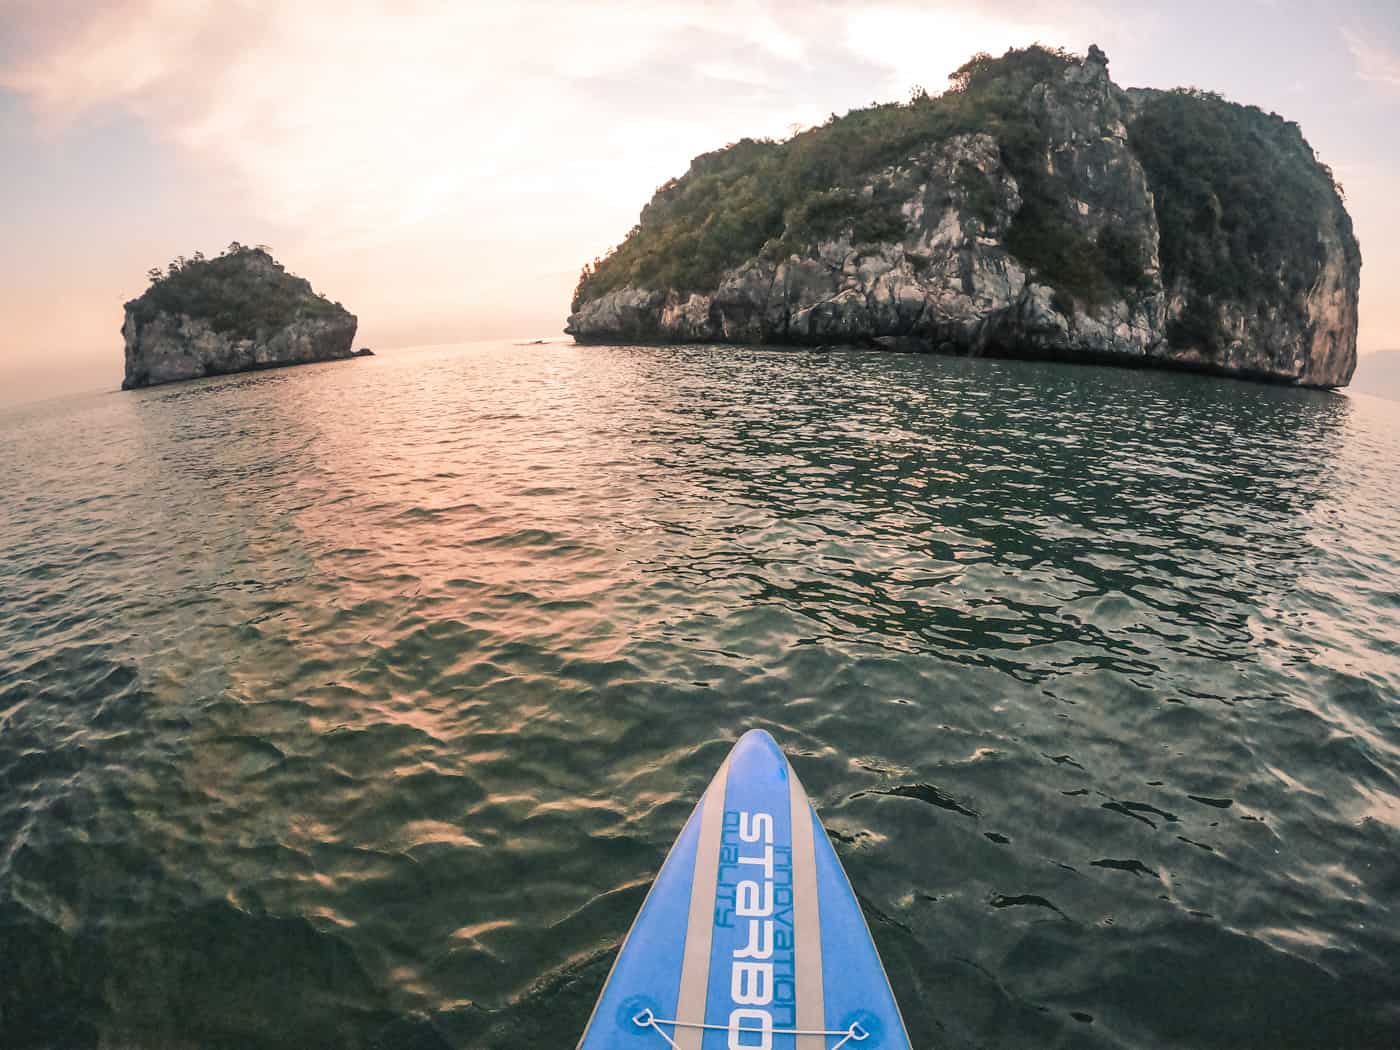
(381, 688)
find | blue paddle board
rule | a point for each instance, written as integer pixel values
(751, 937)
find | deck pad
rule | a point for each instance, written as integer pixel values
(750, 934)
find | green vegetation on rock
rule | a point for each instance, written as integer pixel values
(734, 201)
(241, 293)
(1238, 195)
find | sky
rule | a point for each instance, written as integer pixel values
(445, 167)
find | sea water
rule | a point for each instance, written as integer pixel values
(355, 705)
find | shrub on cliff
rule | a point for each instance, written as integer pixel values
(1238, 196)
(242, 292)
(1237, 193)
(734, 201)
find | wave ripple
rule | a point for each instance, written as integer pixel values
(355, 707)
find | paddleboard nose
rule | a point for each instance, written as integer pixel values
(751, 935)
(758, 738)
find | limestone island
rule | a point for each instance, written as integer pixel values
(1034, 209)
(235, 313)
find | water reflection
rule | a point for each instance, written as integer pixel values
(411, 670)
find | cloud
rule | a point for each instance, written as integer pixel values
(348, 114)
(1376, 63)
(923, 45)
(376, 114)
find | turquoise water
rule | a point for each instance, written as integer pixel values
(355, 705)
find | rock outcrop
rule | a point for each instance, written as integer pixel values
(1034, 210)
(235, 313)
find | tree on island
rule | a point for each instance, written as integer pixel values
(241, 292)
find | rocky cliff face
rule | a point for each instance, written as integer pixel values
(236, 313)
(1030, 212)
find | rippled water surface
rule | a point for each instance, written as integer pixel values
(356, 705)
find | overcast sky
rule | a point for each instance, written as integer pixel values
(445, 167)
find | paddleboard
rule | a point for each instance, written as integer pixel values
(751, 937)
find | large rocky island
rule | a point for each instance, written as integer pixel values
(1035, 209)
(234, 313)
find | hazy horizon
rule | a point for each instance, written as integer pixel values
(445, 173)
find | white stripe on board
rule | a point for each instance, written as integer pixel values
(806, 920)
(699, 930)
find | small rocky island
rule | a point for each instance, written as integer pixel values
(1035, 209)
(235, 313)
